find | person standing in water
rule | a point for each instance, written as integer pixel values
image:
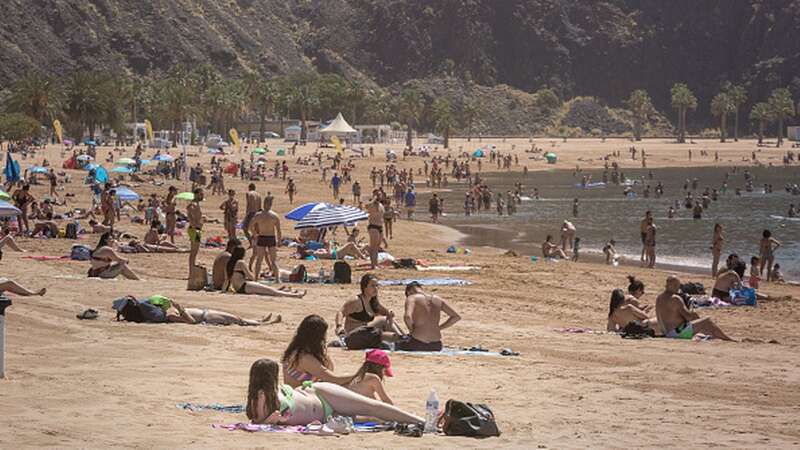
(716, 248)
(650, 243)
(648, 216)
(195, 233)
(767, 248)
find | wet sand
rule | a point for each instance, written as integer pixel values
(98, 384)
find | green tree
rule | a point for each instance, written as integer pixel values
(641, 107)
(762, 114)
(18, 126)
(547, 99)
(262, 94)
(85, 104)
(410, 108)
(469, 110)
(354, 96)
(303, 97)
(443, 118)
(721, 106)
(683, 100)
(36, 96)
(175, 100)
(781, 106)
(738, 96)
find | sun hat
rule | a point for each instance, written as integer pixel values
(378, 356)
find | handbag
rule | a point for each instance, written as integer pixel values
(468, 419)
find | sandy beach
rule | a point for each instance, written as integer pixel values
(99, 384)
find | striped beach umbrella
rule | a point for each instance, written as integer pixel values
(8, 210)
(331, 215)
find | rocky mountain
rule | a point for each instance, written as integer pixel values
(603, 49)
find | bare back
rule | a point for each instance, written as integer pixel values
(265, 223)
(427, 311)
(671, 311)
(253, 201)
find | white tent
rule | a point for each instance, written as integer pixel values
(339, 126)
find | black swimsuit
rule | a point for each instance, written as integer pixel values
(363, 315)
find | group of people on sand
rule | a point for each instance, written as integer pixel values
(673, 318)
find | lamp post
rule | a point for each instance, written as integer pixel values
(4, 303)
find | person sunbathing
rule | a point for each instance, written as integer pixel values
(48, 229)
(220, 264)
(621, 313)
(106, 263)
(242, 281)
(727, 280)
(306, 357)
(422, 314)
(8, 240)
(269, 402)
(366, 322)
(349, 249)
(369, 378)
(7, 285)
(551, 250)
(676, 321)
(179, 314)
(153, 237)
(136, 246)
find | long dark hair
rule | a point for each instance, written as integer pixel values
(617, 299)
(365, 279)
(263, 378)
(104, 238)
(369, 367)
(634, 284)
(309, 339)
(236, 255)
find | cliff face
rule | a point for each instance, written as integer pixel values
(599, 48)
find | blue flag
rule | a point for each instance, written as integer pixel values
(12, 170)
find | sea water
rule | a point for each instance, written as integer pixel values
(606, 213)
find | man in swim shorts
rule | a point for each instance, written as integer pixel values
(676, 321)
(422, 314)
(195, 216)
(253, 206)
(266, 228)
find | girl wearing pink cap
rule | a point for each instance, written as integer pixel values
(369, 378)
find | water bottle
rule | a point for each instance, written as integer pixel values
(431, 412)
(321, 275)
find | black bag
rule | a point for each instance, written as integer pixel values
(404, 263)
(468, 419)
(71, 231)
(363, 337)
(693, 288)
(342, 274)
(133, 310)
(635, 330)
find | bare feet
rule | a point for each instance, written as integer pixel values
(267, 318)
(41, 292)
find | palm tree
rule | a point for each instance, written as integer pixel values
(721, 106)
(85, 104)
(443, 117)
(262, 94)
(354, 96)
(205, 79)
(738, 96)
(682, 99)
(641, 107)
(781, 106)
(411, 107)
(468, 112)
(175, 101)
(35, 96)
(762, 114)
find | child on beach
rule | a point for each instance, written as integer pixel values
(369, 378)
(776, 276)
(575, 248)
(755, 275)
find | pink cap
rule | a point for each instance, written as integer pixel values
(380, 357)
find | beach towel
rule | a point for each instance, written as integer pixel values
(46, 257)
(578, 330)
(468, 269)
(314, 428)
(450, 352)
(237, 409)
(427, 282)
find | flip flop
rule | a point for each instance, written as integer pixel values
(89, 314)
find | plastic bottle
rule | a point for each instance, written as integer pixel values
(431, 412)
(322, 275)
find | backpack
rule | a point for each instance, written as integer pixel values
(468, 419)
(80, 253)
(342, 274)
(198, 278)
(404, 263)
(635, 330)
(72, 231)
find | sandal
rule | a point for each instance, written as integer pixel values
(89, 314)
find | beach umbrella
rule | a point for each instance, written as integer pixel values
(214, 151)
(90, 142)
(8, 210)
(127, 195)
(84, 158)
(4, 195)
(121, 169)
(301, 211)
(259, 151)
(478, 153)
(331, 215)
(100, 175)
(68, 142)
(90, 167)
(188, 196)
(144, 162)
(551, 157)
(11, 171)
(281, 152)
(126, 162)
(37, 169)
(163, 158)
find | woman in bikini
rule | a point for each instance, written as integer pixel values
(269, 402)
(621, 313)
(767, 249)
(179, 314)
(716, 248)
(366, 321)
(106, 263)
(170, 210)
(306, 357)
(242, 281)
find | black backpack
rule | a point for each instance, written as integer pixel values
(71, 231)
(635, 330)
(468, 419)
(342, 274)
(140, 312)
